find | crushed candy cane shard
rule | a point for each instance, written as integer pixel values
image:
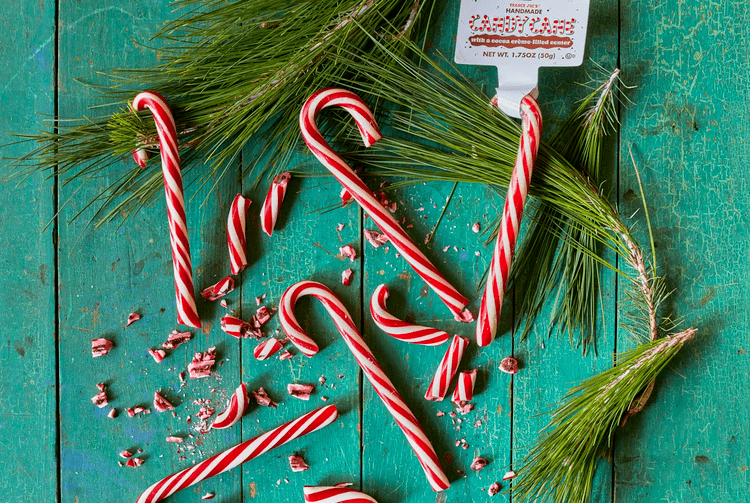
(261, 397)
(126, 454)
(239, 328)
(509, 365)
(399, 329)
(509, 475)
(100, 347)
(236, 236)
(100, 399)
(202, 363)
(376, 239)
(478, 463)
(267, 348)
(301, 391)
(285, 355)
(297, 463)
(174, 440)
(339, 493)
(157, 354)
(447, 369)
(464, 391)
(262, 315)
(176, 338)
(161, 404)
(219, 290)
(239, 454)
(493, 489)
(208, 496)
(476, 228)
(134, 462)
(346, 277)
(132, 318)
(112, 414)
(269, 213)
(134, 411)
(237, 407)
(347, 251)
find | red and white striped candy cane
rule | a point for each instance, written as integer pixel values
(250, 449)
(447, 369)
(364, 196)
(267, 348)
(399, 329)
(366, 360)
(270, 211)
(464, 391)
(187, 313)
(497, 277)
(236, 233)
(335, 495)
(237, 406)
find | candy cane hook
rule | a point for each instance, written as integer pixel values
(505, 246)
(187, 313)
(370, 367)
(363, 195)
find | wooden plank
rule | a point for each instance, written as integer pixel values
(27, 269)
(688, 130)
(304, 246)
(109, 273)
(550, 366)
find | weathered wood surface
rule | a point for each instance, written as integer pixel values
(687, 128)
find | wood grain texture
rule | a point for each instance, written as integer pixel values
(28, 430)
(688, 130)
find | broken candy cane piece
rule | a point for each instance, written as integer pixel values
(493, 489)
(285, 355)
(269, 213)
(266, 349)
(335, 494)
(236, 236)
(509, 365)
(126, 454)
(161, 404)
(205, 412)
(174, 440)
(132, 318)
(133, 462)
(132, 412)
(262, 315)
(202, 363)
(478, 464)
(509, 475)
(476, 227)
(346, 277)
(239, 328)
(208, 496)
(100, 399)
(347, 251)
(237, 407)
(375, 238)
(464, 391)
(157, 354)
(112, 414)
(301, 391)
(367, 362)
(261, 397)
(447, 369)
(219, 290)
(239, 454)
(399, 329)
(176, 338)
(100, 347)
(297, 463)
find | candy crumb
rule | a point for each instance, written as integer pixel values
(476, 228)
(509, 475)
(157, 354)
(132, 318)
(174, 440)
(509, 365)
(478, 464)
(126, 454)
(301, 391)
(493, 489)
(346, 277)
(208, 496)
(112, 414)
(297, 463)
(134, 462)
(100, 347)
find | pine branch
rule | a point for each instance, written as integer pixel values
(560, 467)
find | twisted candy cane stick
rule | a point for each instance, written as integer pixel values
(236, 233)
(187, 313)
(267, 349)
(270, 211)
(464, 391)
(402, 330)
(505, 246)
(250, 449)
(237, 406)
(335, 495)
(364, 196)
(366, 360)
(447, 369)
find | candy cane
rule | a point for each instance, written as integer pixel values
(236, 233)
(267, 349)
(238, 454)
(364, 196)
(366, 360)
(464, 391)
(237, 406)
(187, 313)
(270, 211)
(447, 369)
(335, 495)
(402, 330)
(497, 278)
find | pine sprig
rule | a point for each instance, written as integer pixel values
(560, 468)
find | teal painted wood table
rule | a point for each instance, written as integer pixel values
(62, 284)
